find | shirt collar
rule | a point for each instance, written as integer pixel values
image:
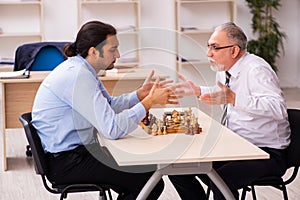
(86, 65)
(237, 67)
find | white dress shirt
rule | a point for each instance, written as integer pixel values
(260, 113)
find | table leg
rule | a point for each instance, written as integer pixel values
(151, 183)
(218, 181)
(185, 168)
(4, 149)
(4, 94)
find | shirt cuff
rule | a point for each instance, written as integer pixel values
(140, 111)
(133, 99)
(205, 90)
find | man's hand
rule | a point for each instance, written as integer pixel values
(225, 96)
(159, 96)
(185, 88)
(148, 83)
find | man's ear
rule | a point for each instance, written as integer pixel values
(92, 51)
(235, 51)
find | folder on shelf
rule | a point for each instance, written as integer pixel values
(6, 61)
(15, 74)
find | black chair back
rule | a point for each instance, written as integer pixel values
(293, 155)
(293, 160)
(40, 163)
(39, 156)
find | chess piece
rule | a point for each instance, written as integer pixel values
(151, 119)
(196, 128)
(174, 114)
(159, 122)
(146, 120)
(188, 126)
(165, 130)
(154, 129)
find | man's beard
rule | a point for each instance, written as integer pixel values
(215, 66)
(111, 66)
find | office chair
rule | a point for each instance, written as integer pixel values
(40, 163)
(293, 160)
(39, 56)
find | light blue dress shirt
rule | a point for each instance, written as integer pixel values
(72, 102)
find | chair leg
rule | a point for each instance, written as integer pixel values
(208, 192)
(106, 193)
(244, 192)
(63, 196)
(109, 194)
(284, 191)
(253, 192)
(102, 196)
(28, 151)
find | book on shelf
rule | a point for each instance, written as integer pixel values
(6, 61)
(15, 74)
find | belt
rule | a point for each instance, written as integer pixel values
(53, 155)
(56, 154)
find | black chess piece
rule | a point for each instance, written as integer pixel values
(146, 120)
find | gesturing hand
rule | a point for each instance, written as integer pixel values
(159, 96)
(224, 96)
(148, 83)
(185, 88)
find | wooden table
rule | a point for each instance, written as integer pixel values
(17, 98)
(127, 80)
(181, 153)
(18, 94)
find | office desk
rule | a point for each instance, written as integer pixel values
(127, 80)
(18, 94)
(17, 98)
(181, 153)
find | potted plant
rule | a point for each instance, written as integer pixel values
(269, 43)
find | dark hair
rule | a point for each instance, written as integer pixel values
(91, 34)
(234, 33)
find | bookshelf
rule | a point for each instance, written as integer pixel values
(124, 15)
(195, 21)
(20, 22)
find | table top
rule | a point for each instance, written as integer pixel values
(132, 74)
(35, 76)
(215, 143)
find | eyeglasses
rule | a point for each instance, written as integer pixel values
(215, 48)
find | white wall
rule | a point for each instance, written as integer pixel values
(288, 18)
(289, 63)
(60, 20)
(61, 24)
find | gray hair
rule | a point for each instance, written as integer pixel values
(234, 33)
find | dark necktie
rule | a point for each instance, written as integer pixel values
(228, 75)
(223, 119)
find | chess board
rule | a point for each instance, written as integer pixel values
(177, 129)
(173, 122)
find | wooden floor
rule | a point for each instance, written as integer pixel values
(20, 181)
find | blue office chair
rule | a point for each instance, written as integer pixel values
(47, 59)
(40, 56)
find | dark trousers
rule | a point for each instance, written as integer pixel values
(94, 164)
(236, 174)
